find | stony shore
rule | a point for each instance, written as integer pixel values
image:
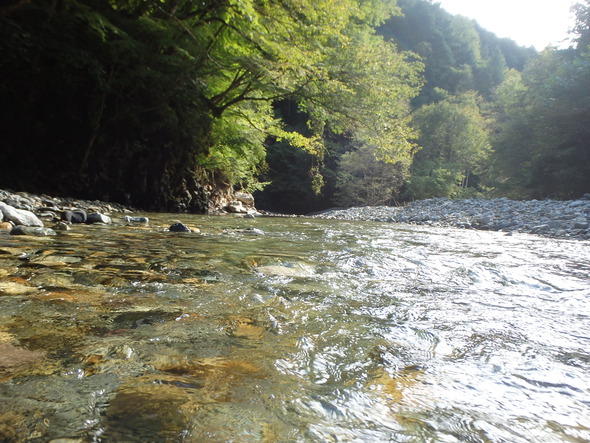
(550, 218)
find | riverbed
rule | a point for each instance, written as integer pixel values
(298, 330)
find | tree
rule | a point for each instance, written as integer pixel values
(158, 103)
(542, 140)
(454, 144)
(364, 180)
(581, 28)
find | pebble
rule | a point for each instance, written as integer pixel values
(549, 218)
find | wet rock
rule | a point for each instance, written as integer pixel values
(20, 216)
(61, 226)
(15, 288)
(148, 412)
(179, 227)
(540, 229)
(97, 217)
(32, 230)
(76, 216)
(15, 360)
(136, 220)
(253, 231)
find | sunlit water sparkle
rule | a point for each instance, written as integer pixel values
(317, 331)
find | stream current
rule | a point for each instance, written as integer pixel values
(316, 331)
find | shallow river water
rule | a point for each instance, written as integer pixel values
(316, 331)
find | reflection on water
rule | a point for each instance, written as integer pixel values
(316, 331)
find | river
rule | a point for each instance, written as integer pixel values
(319, 330)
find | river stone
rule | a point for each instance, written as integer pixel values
(96, 217)
(76, 216)
(253, 231)
(138, 220)
(61, 226)
(20, 216)
(236, 207)
(6, 225)
(32, 230)
(245, 197)
(179, 227)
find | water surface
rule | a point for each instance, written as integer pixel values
(316, 331)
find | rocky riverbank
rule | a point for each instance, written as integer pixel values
(550, 218)
(23, 213)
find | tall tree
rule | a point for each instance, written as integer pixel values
(542, 140)
(158, 102)
(454, 144)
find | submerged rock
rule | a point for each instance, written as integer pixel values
(32, 230)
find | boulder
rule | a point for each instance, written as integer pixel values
(76, 216)
(97, 217)
(20, 216)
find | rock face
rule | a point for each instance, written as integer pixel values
(20, 216)
(551, 218)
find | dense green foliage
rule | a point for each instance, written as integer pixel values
(162, 103)
(171, 104)
(455, 146)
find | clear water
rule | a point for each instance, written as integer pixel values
(317, 331)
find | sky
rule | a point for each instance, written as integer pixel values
(537, 23)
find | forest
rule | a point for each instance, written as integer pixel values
(172, 105)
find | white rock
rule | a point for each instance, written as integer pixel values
(20, 216)
(246, 198)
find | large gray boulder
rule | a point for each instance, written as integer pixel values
(20, 216)
(97, 217)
